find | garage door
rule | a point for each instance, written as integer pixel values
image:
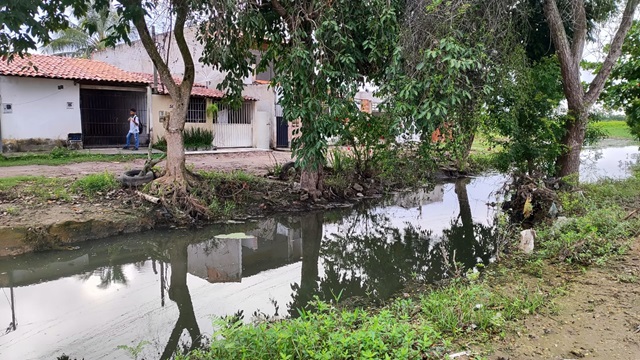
(104, 115)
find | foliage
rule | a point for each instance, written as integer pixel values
(39, 187)
(196, 138)
(525, 125)
(96, 183)
(623, 88)
(409, 328)
(321, 52)
(76, 41)
(599, 224)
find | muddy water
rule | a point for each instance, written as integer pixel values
(165, 287)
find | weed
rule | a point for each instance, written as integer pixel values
(627, 278)
(12, 210)
(95, 183)
(134, 351)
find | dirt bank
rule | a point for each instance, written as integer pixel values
(598, 318)
(254, 162)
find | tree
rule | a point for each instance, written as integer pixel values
(322, 53)
(623, 88)
(30, 22)
(76, 41)
(569, 49)
(441, 72)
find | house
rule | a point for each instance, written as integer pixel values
(47, 99)
(232, 128)
(134, 58)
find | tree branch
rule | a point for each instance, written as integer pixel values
(281, 11)
(597, 85)
(568, 66)
(182, 9)
(580, 30)
(150, 46)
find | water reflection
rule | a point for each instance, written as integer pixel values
(163, 286)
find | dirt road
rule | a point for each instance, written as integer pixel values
(599, 318)
(255, 162)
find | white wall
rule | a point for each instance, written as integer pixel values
(135, 58)
(266, 103)
(39, 108)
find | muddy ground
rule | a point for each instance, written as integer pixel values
(597, 318)
(254, 162)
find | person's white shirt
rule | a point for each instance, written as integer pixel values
(133, 128)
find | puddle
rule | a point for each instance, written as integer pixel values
(164, 287)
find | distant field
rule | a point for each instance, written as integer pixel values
(616, 129)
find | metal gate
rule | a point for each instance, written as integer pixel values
(233, 128)
(282, 129)
(104, 115)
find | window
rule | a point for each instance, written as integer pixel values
(197, 110)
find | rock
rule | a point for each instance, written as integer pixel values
(358, 187)
(527, 239)
(360, 194)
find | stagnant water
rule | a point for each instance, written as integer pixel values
(165, 287)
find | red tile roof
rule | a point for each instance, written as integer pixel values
(197, 90)
(58, 67)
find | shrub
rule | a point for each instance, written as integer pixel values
(95, 183)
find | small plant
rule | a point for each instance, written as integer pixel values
(60, 153)
(95, 183)
(134, 351)
(12, 210)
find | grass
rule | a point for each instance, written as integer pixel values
(38, 187)
(422, 327)
(44, 189)
(616, 129)
(61, 156)
(94, 184)
(600, 222)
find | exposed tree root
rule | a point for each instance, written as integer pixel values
(176, 196)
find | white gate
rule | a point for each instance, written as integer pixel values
(233, 128)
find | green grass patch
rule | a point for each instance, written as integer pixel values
(94, 184)
(600, 222)
(408, 328)
(38, 187)
(615, 129)
(61, 156)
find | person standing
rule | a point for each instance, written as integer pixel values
(134, 129)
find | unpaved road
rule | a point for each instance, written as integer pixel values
(255, 162)
(599, 318)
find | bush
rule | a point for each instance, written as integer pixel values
(95, 183)
(196, 138)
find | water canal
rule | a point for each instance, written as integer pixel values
(165, 287)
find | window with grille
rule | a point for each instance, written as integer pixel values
(197, 110)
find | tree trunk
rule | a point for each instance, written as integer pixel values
(569, 53)
(175, 164)
(576, 127)
(311, 180)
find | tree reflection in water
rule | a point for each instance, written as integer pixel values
(179, 293)
(371, 259)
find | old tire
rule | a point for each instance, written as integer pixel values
(132, 178)
(287, 171)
